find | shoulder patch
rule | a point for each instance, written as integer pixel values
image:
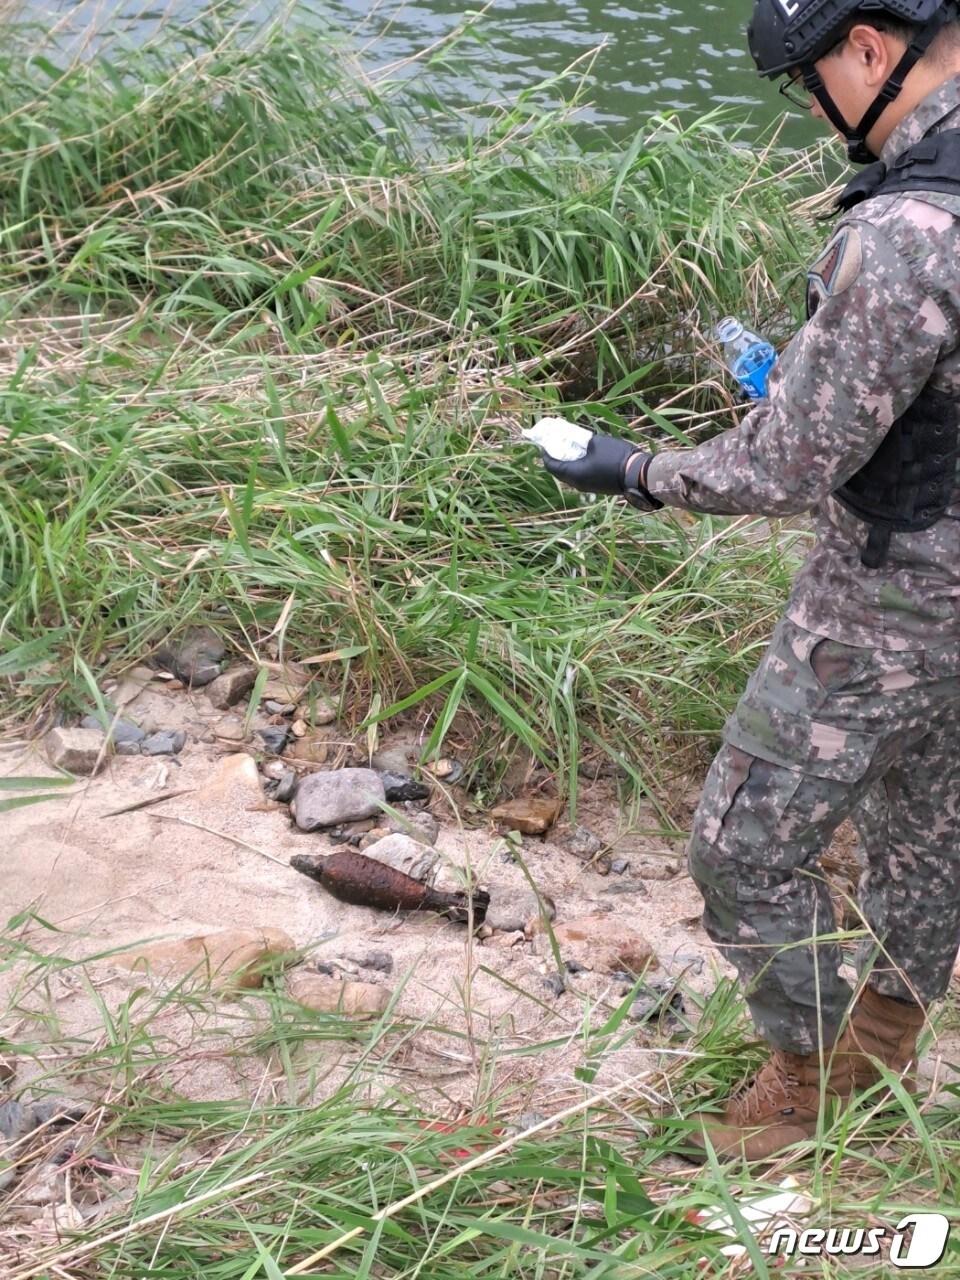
(836, 268)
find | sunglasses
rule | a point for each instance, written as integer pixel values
(796, 93)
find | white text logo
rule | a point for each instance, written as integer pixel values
(924, 1248)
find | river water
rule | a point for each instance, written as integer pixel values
(686, 56)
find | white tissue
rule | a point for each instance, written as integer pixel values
(564, 441)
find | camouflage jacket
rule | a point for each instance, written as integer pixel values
(886, 321)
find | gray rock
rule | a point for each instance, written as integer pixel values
(195, 658)
(510, 908)
(380, 961)
(232, 686)
(605, 767)
(76, 750)
(274, 738)
(60, 1113)
(326, 968)
(405, 854)
(14, 1120)
(627, 886)
(279, 708)
(353, 832)
(44, 1184)
(653, 868)
(285, 787)
(582, 843)
(527, 1119)
(166, 742)
(128, 748)
(661, 1000)
(556, 983)
(392, 760)
(13, 1123)
(421, 826)
(619, 865)
(400, 786)
(447, 770)
(319, 712)
(329, 796)
(121, 731)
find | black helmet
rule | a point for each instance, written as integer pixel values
(792, 35)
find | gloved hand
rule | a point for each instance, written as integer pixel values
(609, 466)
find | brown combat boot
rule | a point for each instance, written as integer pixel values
(778, 1107)
(884, 1029)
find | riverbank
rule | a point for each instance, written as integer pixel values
(270, 335)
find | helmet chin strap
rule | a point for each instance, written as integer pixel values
(857, 150)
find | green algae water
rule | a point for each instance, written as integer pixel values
(687, 57)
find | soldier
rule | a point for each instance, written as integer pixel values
(854, 711)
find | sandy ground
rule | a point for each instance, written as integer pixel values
(479, 1005)
(475, 1009)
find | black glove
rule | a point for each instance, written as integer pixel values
(609, 466)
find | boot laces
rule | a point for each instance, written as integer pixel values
(770, 1088)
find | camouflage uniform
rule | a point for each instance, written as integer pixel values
(855, 708)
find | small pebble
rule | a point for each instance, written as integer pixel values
(78, 751)
(658, 1001)
(555, 983)
(447, 770)
(281, 787)
(582, 843)
(286, 786)
(574, 966)
(123, 731)
(381, 961)
(13, 1120)
(279, 708)
(274, 738)
(61, 1113)
(324, 967)
(421, 825)
(627, 886)
(232, 685)
(298, 728)
(399, 786)
(193, 658)
(128, 748)
(687, 962)
(528, 1119)
(511, 907)
(391, 760)
(619, 865)
(166, 742)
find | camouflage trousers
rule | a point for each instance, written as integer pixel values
(826, 731)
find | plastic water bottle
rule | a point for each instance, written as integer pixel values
(564, 441)
(748, 356)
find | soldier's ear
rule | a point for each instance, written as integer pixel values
(869, 48)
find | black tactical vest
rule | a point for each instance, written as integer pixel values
(907, 484)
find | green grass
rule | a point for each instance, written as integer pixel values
(234, 1190)
(276, 329)
(271, 329)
